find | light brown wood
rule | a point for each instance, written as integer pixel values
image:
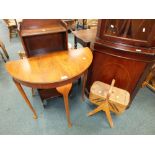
(103, 107)
(22, 55)
(118, 98)
(64, 90)
(25, 98)
(108, 98)
(53, 70)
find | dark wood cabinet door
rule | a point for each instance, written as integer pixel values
(124, 51)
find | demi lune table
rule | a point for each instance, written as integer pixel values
(54, 70)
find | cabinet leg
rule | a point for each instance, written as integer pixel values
(25, 98)
(64, 90)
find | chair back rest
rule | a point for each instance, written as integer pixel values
(111, 87)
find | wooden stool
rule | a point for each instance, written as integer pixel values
(108, 98)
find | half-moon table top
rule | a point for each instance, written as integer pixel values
(52, 67)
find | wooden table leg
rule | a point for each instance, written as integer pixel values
(25, 98)
(64, 90)
(75, 42)
(84, 84)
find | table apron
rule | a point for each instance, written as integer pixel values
(49, 85)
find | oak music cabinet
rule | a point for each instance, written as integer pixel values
(124, 50)
(40, 36)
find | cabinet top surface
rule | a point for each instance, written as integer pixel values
(40, 31)
(50, 68)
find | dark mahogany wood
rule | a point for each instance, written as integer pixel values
(40, 36)
(123, 54)
(84, 37)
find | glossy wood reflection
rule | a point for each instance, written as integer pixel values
(51, 68)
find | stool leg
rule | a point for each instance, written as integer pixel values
(108, 115)
(104, 107)
(99, 108)
(64, 90)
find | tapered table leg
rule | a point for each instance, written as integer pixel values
(25, 98)
(64, 90)
(108, 115)
(84, 84)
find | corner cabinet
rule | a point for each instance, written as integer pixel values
(124, 50)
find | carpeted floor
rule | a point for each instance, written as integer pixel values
(16, 118)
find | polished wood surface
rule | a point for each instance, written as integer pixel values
(54, 70)
(51, 68)
(123, 58)
(84, 37)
